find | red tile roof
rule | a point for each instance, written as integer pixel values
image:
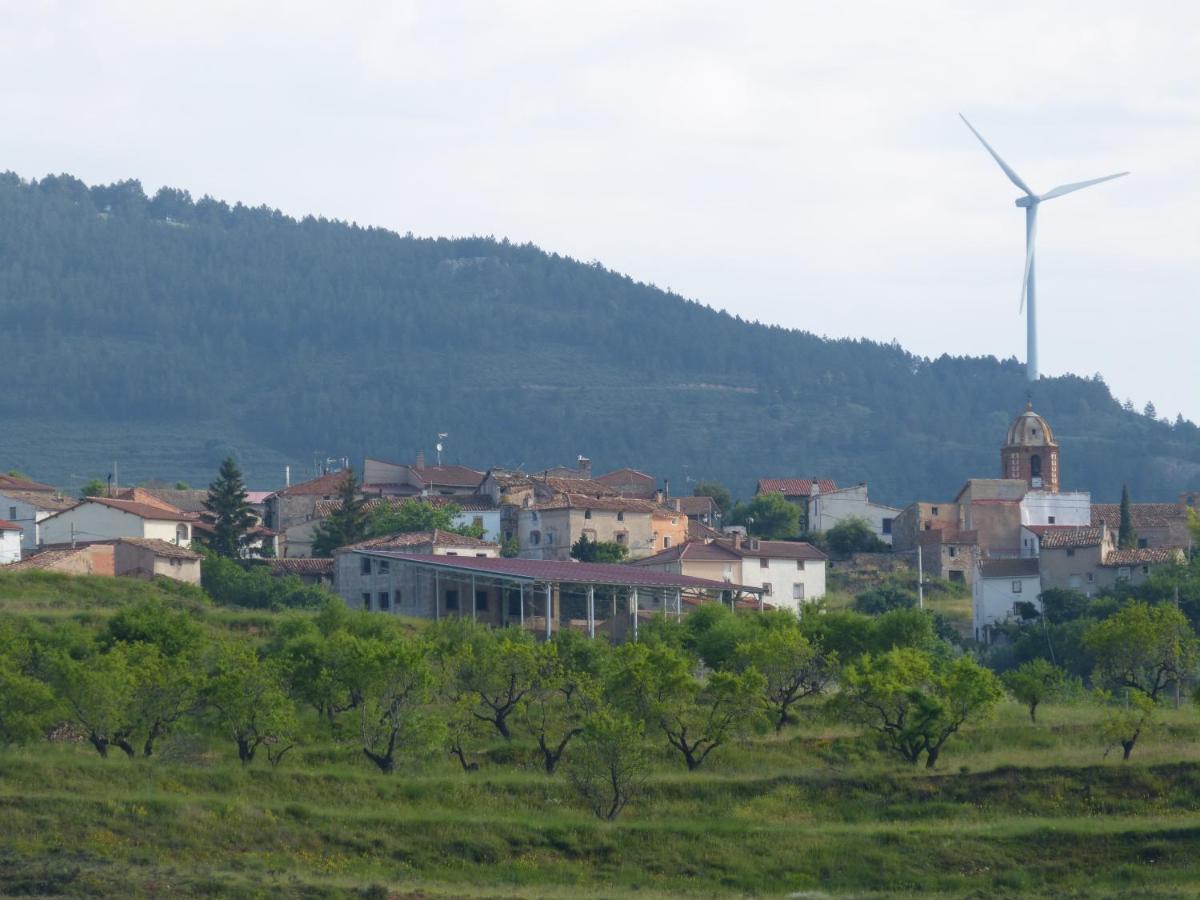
(41, 500)
(1144, 515)
(1141, 556)
(1059, 537)
(161, 548)
(142, 510)
(690, 550)
(775, 549)
(10, 482)
(794, 487)
(693, 506)
(612, 503)
(6, 525)
(568, 572)
(47, 559)
(322, 486)
(300, 566)
(698, 531)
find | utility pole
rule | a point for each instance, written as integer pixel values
(920, 577)
(1177, 679)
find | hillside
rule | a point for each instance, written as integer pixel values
(165, 333)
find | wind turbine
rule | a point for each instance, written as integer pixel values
(1030, 202)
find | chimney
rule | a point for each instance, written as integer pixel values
(420, 459)
(815, 490)
(658, 497)
(737, 540)
(666, 487)
(585, 467)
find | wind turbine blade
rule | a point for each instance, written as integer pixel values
(1030, 242)
(1077, 186)
(1012, 176)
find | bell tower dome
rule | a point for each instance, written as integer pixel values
(1030, 452)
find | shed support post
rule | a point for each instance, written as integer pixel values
(472, 598)
(678, 604)
(549, 610)
(437, 600)
(522, 585)
(634, 604)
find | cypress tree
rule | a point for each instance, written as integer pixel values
(346, 524)
(228, 511)
(1127, 536)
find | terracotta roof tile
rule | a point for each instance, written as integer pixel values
(1071, 536)
(794, 487)
(1144, 515)
(408, 539)
(47, 559)
(161, 548)
(41, 500)
(300, 566)
(6, 525)
(11, 482)
(322, 486)
(613, 503)
(451, 476)
(1141, 556)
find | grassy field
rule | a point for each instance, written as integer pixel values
(1014, 810)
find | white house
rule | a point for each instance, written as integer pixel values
(829, 508)
(999, 585)
(101, 518)
(1064, 508)
(28, 508)
(10, 542)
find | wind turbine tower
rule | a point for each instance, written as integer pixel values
(1030, 203)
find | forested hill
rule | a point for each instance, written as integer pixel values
(164, 333)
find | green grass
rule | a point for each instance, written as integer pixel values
(1014, 810)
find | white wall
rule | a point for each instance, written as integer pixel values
(10, 547)
(994, 599)
(97, 522)
(1069, 508)
(491, 522)
(782, 575)
(828, 509)
(24, 514)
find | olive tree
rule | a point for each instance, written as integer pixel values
(1033, 682)
(792, 666)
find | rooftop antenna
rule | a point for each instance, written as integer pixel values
(1030, 203)
(442, 435)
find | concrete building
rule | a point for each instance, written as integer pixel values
(1158, 525)
(149, 558)
(548, 530)
(388, 479)
(630, 483)
(1086, 558)
(101, 518)
(827, 509)
(1062, 508)
(297, 503)
(10, 542)
(798, 491)
(790, 573)
(28, 508)
(998, 587)
(542, 596)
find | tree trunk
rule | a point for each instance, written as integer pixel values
(1033, 712)
(931, 757)
(386, 762)
(126, 747)
(246, 750)
(101, 744)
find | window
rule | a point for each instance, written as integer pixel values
(666, 542)
(535, 537)
(764, 563)
(1070, 551)
(928, 526)
(452, 553)
(1075, 581)
(477, 522)
(1091, 577)
(1142, 543)
(12, 514)
(451, 600)
(1145, 570)
(621, 516)
(385, 600)
(549, 538)
(587, 513)
(622, 537)
(514, 603)
(799, 565)
(953, 552)
(767, 588)
(1123, 572)
(366, 600)
(1051, 520)
(957, 576)
(798, 591)
(1016, 587)
(934, 510)
(1035, 466)
(365, 565)
(181, 534)
(481, 601)
(484, 555)
(887, 526)
(385, 565)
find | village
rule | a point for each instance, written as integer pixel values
(512, 555)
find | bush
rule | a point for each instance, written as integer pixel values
(234, 583)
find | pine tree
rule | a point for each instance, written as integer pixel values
(346, 524)
(1150, 412)
(1126, 537)
(228, 512)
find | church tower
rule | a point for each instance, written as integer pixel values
(1030, 452)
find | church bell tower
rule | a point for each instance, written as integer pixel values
(1030, 453)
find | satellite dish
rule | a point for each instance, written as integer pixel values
(439, 447)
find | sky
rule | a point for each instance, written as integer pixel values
(796, 163)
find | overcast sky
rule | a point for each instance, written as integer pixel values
(796, 163)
